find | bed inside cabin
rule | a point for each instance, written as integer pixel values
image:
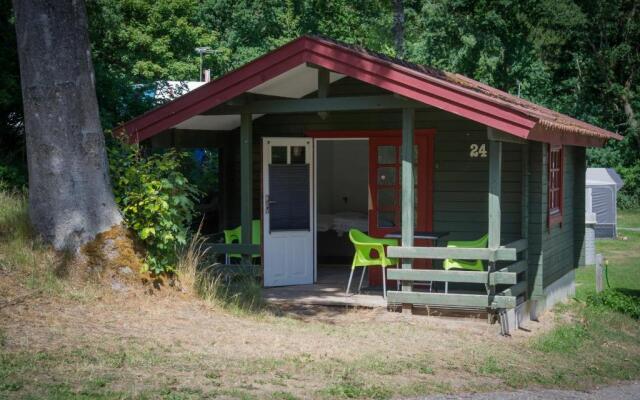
(342, 204)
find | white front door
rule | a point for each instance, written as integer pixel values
(288, 211)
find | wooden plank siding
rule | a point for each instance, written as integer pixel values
(460, 182)
(559, 241)
(537, 217)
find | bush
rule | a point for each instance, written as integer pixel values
(156, 200)
(629, 195)
(617, 300)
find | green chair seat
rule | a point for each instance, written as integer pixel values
(235, 236)
(469, 265)
(370, 251)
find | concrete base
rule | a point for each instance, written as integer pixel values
(558, 291)
(530, 310)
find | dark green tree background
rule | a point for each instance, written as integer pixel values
(578, 57)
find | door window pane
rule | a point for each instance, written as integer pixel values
(386, 219)
(386, 199)
(279, 155)
(386, 176)
(386, 154)
(298, 155)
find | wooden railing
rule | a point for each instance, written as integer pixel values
(244, 268)
(513, 275)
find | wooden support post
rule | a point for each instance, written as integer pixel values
(246, 180)
(599, 273)
(408, 210)
(495, 178)
(524, 210)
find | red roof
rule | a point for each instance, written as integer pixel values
(450, 92)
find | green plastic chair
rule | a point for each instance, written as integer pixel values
(469, 265)
(235, 236)
(364, 246)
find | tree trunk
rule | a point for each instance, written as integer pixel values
(70, 197)
(398, 27)
(629, 112)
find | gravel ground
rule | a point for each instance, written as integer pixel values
(625, 391)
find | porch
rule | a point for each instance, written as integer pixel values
(328, 290)
(501, 287)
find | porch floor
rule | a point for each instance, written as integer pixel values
(328, 291)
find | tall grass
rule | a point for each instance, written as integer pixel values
(21, 253)
(199, 272)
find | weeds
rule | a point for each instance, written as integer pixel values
(233, 290)
(490, 366)
(617, 300)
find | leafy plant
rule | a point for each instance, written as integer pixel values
(156, 200)
(617, 300)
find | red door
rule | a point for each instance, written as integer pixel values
(385, 214)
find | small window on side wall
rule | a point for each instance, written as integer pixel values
(555, 186)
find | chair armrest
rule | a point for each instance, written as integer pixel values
(388, 242)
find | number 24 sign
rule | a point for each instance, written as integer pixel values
(476, 151)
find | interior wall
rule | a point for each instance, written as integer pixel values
(342, 176)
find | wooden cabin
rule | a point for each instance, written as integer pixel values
(317, 137)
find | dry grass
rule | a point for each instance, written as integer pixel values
(22, 255)
(197, 273)
(192, 261)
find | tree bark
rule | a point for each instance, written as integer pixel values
(629, 112)
(70, 197)
(398, 27)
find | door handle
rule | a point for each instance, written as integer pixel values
(269, 202)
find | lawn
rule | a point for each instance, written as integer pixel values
(629, 219)
(623, 256)
(63, 340)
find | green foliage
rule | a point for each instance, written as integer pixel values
(481, 40)
(12, 177)
(156, 200)
(629, 195)
(204, 173)
(136, 43)
(578, 57)
(617, 300)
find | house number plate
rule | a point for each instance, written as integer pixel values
(476, 150)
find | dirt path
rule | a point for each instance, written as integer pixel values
(626, 391)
